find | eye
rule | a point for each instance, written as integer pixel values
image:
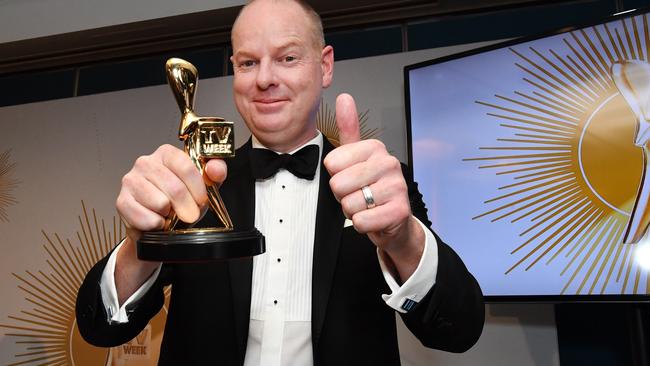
(247, 64)
(290, 58)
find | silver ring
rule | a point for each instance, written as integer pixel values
(367, 195)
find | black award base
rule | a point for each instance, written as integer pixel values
(199, 245)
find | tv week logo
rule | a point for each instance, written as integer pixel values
(136, 349)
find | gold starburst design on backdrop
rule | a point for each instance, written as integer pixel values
(7, 185)
(571, 155)
(48, 333)
(326, 123)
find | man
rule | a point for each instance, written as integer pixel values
(316, 296)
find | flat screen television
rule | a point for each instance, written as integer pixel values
(533, 159)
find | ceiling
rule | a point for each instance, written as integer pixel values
(213, 28)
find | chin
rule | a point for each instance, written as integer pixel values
(271, 123)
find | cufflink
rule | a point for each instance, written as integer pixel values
(408, 304)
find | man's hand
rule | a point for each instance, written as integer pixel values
(158, 185)
(355, 164)
(161, 183)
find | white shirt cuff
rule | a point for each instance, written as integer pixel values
(117, 313)
(404, 298)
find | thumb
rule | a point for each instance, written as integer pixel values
(347, 119)
(215, 171)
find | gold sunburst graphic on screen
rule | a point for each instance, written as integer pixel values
(326, 123)
(47, 332)
(570, 152)
(7, 185)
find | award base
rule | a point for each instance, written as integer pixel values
(199, 245)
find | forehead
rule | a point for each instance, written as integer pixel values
(276, 23)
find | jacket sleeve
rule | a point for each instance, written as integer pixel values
(451, 316)
(93, 321)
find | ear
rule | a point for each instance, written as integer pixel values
(327, 65)
(232, 62)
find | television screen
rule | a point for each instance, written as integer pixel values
(532, 157)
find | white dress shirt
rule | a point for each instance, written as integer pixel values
(280, 314)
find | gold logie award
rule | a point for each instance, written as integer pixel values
(204, 138)
(631, 79)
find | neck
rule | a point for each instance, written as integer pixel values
(288, 146)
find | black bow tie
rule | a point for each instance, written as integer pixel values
(265, 163)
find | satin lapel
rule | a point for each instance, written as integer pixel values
(329, 225)
(238, 193)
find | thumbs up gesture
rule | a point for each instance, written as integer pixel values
(369, 184)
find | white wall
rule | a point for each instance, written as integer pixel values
(24, 19)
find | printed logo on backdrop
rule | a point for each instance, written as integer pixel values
(576, 149)
(7, 184)
(46, 332)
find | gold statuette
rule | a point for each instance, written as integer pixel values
(632, 81)
(204, 138)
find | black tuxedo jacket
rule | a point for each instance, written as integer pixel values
(207, 322)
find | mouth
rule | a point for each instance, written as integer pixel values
(269, 100)
(269, 105)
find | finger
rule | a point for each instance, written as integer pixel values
(177, 192)
(183, 204)
(347, 119)
(353, 178)
(381, 193)
(182, 166)
(347, 155)
(355, 202)
(216, 171)
(148, 195)
(384, 219)
(137, 217)
(364, 173)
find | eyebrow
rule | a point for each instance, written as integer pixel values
(280, 48)
(242, 54)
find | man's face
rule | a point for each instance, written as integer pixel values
(280, 72)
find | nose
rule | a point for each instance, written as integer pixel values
(266, 77)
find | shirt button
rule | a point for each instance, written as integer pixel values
(275, 302)
(279, 260)
(281, 220)
(283, 186)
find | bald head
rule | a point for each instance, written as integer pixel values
(280, 70)
(312, 17)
